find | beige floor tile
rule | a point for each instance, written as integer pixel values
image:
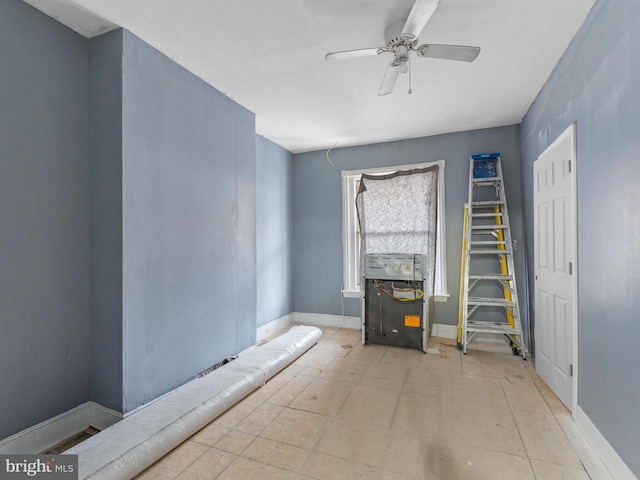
(329, 331)
(533, 418)
(291, 390)
(210, 434)
(289, 372)
(499, 353)
(551, 471)
(285, 396)
(297, 428)
(409, 415)
(368, 405)
(304, 360)
(245, 468)
(548, 443)
(259, 418)
(387, 449)
(235, 441)
(387, 371)
(419, 375)
(317, 364)
(451, 461)
(422, 388)
(438, 426)
(323, 396)
(511, 372)
(497, 432)
(447, 359)
(277, 454)
(262, 394)
(389, 383)
(175, 462)
(590, 461)
(409, 357)
(367, 353)
(524, 395)
(339, 376)
(235, 415)
(325, 467)
(474, 367)
(208, 466)
(336, 347)
(349, 333)
(348, 365)
(435, 383)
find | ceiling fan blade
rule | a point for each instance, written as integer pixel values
(420, 14)
(362, 52)
(461, 53)
(389, 80)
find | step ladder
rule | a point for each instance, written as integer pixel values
(488, 294)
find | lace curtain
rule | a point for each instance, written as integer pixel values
(397, 214)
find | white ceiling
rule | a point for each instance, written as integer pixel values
(269, 57)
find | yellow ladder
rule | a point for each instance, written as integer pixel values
(487, 235)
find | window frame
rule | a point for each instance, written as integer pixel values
(350, 239)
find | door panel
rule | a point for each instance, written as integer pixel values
(554, 291)
(544, 342)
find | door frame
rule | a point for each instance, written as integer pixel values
(569, 133)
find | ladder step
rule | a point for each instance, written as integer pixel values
(491, 251)
(489, 327)
(489, 203)
(491, 302)
(488, 242)
(488, 180)
(491, 277)
(489, 227)
(492, 214)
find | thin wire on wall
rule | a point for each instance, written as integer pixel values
(342, 288)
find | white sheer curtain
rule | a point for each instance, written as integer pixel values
(397, 214)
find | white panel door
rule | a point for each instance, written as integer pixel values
(555, 268)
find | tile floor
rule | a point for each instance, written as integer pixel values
(350, 411)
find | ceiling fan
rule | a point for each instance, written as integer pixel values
(401, 38)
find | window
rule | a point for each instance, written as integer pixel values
(351, 233)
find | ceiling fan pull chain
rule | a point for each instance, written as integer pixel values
(409, 92)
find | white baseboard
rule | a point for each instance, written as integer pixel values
(44, 435)
(272, 327)
(601, 446)
(325, 320)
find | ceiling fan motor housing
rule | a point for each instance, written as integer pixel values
(393, 36)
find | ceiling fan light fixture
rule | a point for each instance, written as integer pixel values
(401, 58)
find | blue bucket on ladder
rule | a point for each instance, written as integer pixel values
(484, 165)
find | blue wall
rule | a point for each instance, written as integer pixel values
(128, 196)
(105, 157)
(317, 195)
(274, 204)
(44, 213)
(596, 85)
(189, 224)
